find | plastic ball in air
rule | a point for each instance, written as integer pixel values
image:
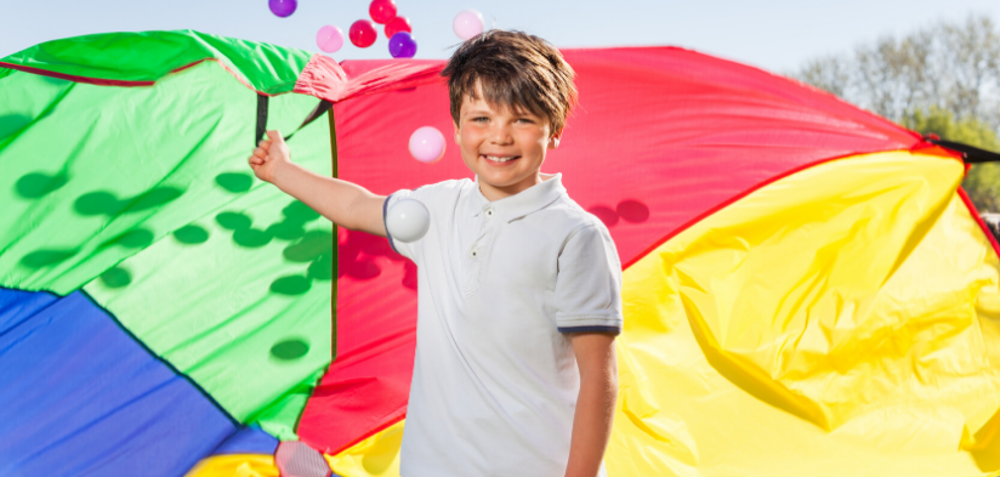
(427, 144)
(363, 33)
(382, 10)
(330, 38)
(397, 25)
(282, 8)
(467, 24)
(407, 220)
(402, 45)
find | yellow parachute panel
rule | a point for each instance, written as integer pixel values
(839, 321)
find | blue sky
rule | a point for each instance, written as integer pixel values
(777, 35)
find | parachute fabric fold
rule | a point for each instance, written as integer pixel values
(806, 289)
(236, 465)
(142, 58)
(661, 136)
(57, 422)
(826, 324)
(140, 195)
(663, 139)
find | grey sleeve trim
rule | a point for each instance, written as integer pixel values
(590, 329)
(385, 211)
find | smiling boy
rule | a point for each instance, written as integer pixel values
(519, 288)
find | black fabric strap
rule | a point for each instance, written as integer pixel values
(972, 155)
(318, 111)
(261, 119)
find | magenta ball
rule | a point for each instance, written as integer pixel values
(427, 144)
(402, 45)
(467, 24)
(330, 38)
(282, 8)
(363, 33)
(397, 25)
(382, 11)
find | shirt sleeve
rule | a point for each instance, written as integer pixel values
(588, 283)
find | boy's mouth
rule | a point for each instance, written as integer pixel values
(498, 159)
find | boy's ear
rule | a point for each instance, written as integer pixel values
(554, 140)
(456, 133)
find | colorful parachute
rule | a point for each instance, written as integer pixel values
(807, 290)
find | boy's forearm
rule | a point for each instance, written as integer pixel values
(592, 420)
(337, 200)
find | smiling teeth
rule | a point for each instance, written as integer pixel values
(500, 159)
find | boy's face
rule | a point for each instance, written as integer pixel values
(503, 147)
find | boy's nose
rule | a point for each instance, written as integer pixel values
(501, 135)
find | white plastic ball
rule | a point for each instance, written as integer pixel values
(407, 220)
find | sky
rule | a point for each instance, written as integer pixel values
(776, 35)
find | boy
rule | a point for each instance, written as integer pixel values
(519, 288)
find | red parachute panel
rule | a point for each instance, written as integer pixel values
(661, 137)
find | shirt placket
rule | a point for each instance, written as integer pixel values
(486, 223)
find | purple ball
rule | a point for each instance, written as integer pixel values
(402, 45)
(282, 8)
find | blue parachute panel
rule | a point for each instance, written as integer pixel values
(249, 440)
(81, 397)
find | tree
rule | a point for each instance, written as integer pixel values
(942, 79)
(983, 180)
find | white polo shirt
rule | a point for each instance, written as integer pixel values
(495, 379)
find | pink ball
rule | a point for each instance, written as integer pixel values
(330, 38)
(427, 144)
(382, 11)
(363, 33)
(467, 24)
(397, 25)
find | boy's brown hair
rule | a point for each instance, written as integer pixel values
(515, 70)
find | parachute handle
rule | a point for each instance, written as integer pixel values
(971, 154)
(262, 100)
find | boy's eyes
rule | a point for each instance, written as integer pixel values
(482, 119)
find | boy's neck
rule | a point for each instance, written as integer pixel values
(493, 193)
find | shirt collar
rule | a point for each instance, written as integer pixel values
(530, 200)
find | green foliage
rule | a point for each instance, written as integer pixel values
(983, 180)
(942, 122)
(940, 79)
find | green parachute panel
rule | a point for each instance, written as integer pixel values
(149, 56)
(142, 197)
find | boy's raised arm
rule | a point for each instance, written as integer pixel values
(346, 204)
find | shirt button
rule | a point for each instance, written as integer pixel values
(474, 254)
(489, 212)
